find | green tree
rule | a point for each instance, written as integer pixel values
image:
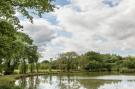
(13, 47)
(33, 57)
(7, 38)
(82, 62)
(93, 56)
(67, 59)
(9, 8)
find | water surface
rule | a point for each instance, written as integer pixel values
(79, 81)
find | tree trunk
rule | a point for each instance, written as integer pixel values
(7, 69)
(37, 65)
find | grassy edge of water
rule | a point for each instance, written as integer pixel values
(10, 79)
(7, 81)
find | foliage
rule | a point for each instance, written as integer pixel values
(66, 60)
(15, 48)
(92, 61)
(9, 9)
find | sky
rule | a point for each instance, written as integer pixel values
(105, 26)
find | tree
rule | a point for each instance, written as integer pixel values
(67, 59)
(50, 65)
(9, 8)
(93, 56)
(83, 62)
(16, 47)
(25, 41)
(7, 38)
(33, 57)
(13, 47)
(45, 61)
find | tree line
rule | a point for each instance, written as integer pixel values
(91, 62)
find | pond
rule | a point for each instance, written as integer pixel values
(79, 81)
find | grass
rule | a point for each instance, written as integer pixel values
(7, 79)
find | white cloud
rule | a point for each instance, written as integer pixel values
(93, 25)
(96, 26)
(41, 31)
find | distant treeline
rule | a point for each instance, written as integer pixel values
(91, 62)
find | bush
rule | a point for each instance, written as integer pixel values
(44, 66)
(124, 70)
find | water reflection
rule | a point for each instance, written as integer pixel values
(49, 82)
(116, 77)
(77, 82)
(119, 85)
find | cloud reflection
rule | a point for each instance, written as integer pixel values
(119, 85)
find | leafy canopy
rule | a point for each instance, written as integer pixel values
(9, 8)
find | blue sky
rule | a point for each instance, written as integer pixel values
(62, 2)
(105, 26)
(111, 3)
(51, 18)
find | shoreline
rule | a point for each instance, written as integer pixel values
(10, 79)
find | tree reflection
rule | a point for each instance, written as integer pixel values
(72, 82)
(23, 82)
